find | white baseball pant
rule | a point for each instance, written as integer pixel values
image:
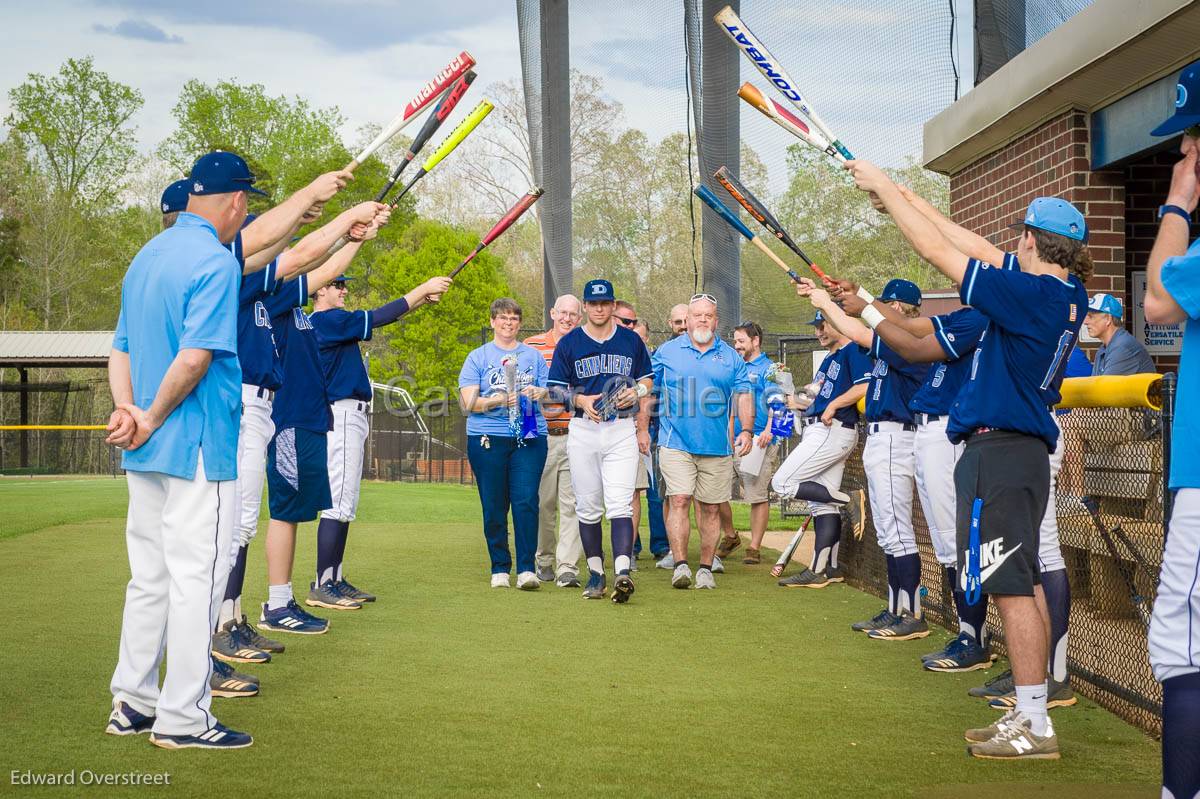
(820, 457)
(254, 434)
(346, 444)
(1050, 557)
(556, 500)
(1175, 623)
(888, 462)
(934, 460)
(604, 461)
(178, 533)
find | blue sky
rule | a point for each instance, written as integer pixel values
(863, 63)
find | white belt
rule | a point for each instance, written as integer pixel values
(351, 404)
(253, 393)
(889, 427)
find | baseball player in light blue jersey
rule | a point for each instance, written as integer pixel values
(701, 382)
(349, 390)
(1172, 297)
(603, 370)
(1004, 415)
(829, 430)
(174, 377)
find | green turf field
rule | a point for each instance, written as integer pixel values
(447, 687)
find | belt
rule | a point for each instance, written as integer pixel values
(557, 431)
(807, 421)
(926, 418)
(351, 404)
(891, 427)
(265, 393)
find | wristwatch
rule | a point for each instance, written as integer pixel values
(1163, 210)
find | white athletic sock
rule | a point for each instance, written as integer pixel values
(821, 560)
(237, 608)
(620, 563)
(325, 576)
(903, 602)
(226, 614)
(278, 596)
(596, 564)
(339, 573)
(833, 553)
(1031, 700)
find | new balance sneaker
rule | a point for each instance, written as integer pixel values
(1058, 694)
(705, 579)
(252, 637)
(227, 683)
(682, 577)
(728, 545)
(962, 654)
(544, 573)
(718, 567)
(805, 579)
(355, 593)
(1000, 685)
(883, 618)
(327, 595)
(228, 646)
(124, 720)
(567, 580)
(907, 628)
(528, 581)
(622, 589)
(1017, 741)
(983, 734)
(500, 580)
(667, 562)
(291, 619)
(596, 586)
(216, 737)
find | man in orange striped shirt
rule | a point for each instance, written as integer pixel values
(557, 558)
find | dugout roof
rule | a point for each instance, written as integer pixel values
(55, 348)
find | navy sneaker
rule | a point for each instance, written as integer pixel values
(596, 587)
(962, 654)
(327, 595)
(354, 592)
(252, 637)
(217, 736)
(228, 645)
(229, 684)
(884, 618)
(124, 720)
(291, 619)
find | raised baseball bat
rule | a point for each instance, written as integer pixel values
(441, 112)
(787, 120)
(469, 123)
(786, 556)
(773, 71)
(765, 218)
(512, 215)
(713, 202)
(428, 93)
(1140, 603)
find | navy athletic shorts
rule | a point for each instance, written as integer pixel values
(297, 475)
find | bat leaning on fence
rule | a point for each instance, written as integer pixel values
(786, 556)
(1140, 603)
(512, 215)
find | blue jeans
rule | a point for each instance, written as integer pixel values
(659, 545)
(508, 476)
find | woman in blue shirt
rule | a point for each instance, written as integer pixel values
(506, 440)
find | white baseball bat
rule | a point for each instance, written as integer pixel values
(787, 120)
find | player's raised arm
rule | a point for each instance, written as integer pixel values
(281, 221)
(854, 300)
(853, 329)
(968, 242)
(312, 251)
(1172, 240)
(921, 233)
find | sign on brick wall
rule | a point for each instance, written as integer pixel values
(1157, 339)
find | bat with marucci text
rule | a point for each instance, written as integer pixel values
(787, 120)
(431, 91)
(773, 71)
(723, 211)
(512, 215)
(441, 112)
(765, 218)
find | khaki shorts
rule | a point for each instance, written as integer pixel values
(643, 475)
(757, 489)
(708, 478)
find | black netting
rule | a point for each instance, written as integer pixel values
(1004, 28)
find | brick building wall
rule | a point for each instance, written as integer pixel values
(1146, 183)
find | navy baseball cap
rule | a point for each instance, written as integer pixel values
(341, 279)
(598, 291)
(818, 319)
(1055, 215)
(220, 172)
(175, 196)
(1106, 303)
(1187, 102)
(902, 290)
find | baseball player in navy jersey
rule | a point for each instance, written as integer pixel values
(603, 370)
(349, 390)
(1003, 414)
(1172, 297)
(173, 371)
(813, 469)
(888, 460)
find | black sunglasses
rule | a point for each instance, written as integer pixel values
(627, 322)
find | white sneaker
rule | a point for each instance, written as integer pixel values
(718, 566)
(704, 579)
(682, 577)
(526, 581)
(667, 562)
(500, 580)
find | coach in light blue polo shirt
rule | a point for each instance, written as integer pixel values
(700, 380)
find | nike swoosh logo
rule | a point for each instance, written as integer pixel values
(986, 573)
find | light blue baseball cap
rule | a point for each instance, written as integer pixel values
(1106, 303)
(1055, 215)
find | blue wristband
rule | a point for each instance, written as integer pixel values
(1163, 210)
